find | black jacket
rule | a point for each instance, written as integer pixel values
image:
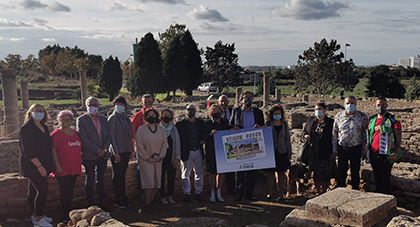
(209, 125)
(184, 135)
(237, 120)
(325, 144)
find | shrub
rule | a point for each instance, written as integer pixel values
(77, 94)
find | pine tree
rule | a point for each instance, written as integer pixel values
(174, 67)
(194, 65)
(110, 79)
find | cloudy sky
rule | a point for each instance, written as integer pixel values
(265, 32)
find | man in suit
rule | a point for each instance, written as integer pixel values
(192, 153)
(93, 129)
(223, 101)
(245, 117)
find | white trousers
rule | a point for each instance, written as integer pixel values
(194, 162)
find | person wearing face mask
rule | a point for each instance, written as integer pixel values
(67, 156)
(246, 117)
(349, 141)
(384, 142)
(212, 126)
(93, 129)
(36, 161)
(282, 150)
(192, 153)
(151, 145)
(121, 132)
(172, 159)
(318, 133)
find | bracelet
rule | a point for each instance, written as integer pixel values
(39, 166)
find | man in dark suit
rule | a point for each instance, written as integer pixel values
(245, 117)
(93, 129)
(192, 153)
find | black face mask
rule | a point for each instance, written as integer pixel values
(381, 110)
(217, 115)
(166, 120)
(151, 120)
(191, 113)
(248, 102)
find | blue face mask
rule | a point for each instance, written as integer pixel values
(119, 109)
(37, 116)
(350, 108)
(319, 113)
(277, 117)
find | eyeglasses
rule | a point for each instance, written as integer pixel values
(190, 109)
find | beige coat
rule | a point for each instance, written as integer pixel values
(149, 143)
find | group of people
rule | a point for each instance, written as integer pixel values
(162, 146)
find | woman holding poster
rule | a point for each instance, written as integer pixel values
(212, 126)
(282, 149)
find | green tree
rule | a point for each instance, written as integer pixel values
(110, 79)
(49, 62)
(13, 61)
(174, 69)
(384, 82)
(173, 32)
(413, 89)
(194, 65)
(95, 65)
(284, 73)
(148, 68)
(323, 71)
(222, 65)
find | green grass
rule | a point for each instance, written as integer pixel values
(46, 103)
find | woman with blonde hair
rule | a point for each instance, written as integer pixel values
(36, 160)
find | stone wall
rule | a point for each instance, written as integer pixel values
(9, 156)
(14, 190)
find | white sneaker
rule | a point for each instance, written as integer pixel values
(48, 219)
(170, 200)
(212, 196)
(42, 223)
(164, 200)
(219, 195)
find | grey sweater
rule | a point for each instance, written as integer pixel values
(119, 144)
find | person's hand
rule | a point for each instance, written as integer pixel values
(101, 153)
(333, 156)
(176, 163)
(133, 156)
(214, 131)
(42, 171)
(236, 128)
(264, 126)
(256, 126)
(158, 159)
(58, 169)
(393, 156)
(308, 138)
(151, 160)
(117, 158)
(364, 155)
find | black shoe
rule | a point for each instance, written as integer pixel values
(126, 201)
(120, 203)
(251, 197)
(198, 197)
(231, 192)
(238, 198)
(187, 198)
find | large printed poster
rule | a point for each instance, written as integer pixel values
(247, 149)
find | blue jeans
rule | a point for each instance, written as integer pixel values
(95, 173)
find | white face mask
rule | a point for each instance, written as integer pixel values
(119, 109)
(37, 116)
(93, 110)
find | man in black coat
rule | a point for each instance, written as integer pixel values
(192, 153)
(245, 117)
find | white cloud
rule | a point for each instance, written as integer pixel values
(35, 4)
(40, 21)
(205, 13)
(171, 19)
(15, 23)
(119, 6)
(17, 39)
(58, 7)
(311, 9)
(171, 2)
(48, 39)
(104, 36)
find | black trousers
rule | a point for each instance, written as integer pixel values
(169, 171)
(230, 181)
(66, 184)
(119, 171)
(246, 182)
(382, 172)
(345, 155)
(37, 194)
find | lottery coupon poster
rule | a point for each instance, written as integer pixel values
(247, 149)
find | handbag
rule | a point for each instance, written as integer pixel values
(303, 152)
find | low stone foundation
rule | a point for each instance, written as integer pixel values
(14, 190)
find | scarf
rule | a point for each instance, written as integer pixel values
(167, 130)
(126, 123)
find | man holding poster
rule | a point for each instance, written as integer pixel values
(246, 117)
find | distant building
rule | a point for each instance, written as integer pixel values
(413, 62)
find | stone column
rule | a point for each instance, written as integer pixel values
(238, 96)
(24, 94)
(10, 101)
(305, 98)
(83, 86)
(278, 94)
(266, 89)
